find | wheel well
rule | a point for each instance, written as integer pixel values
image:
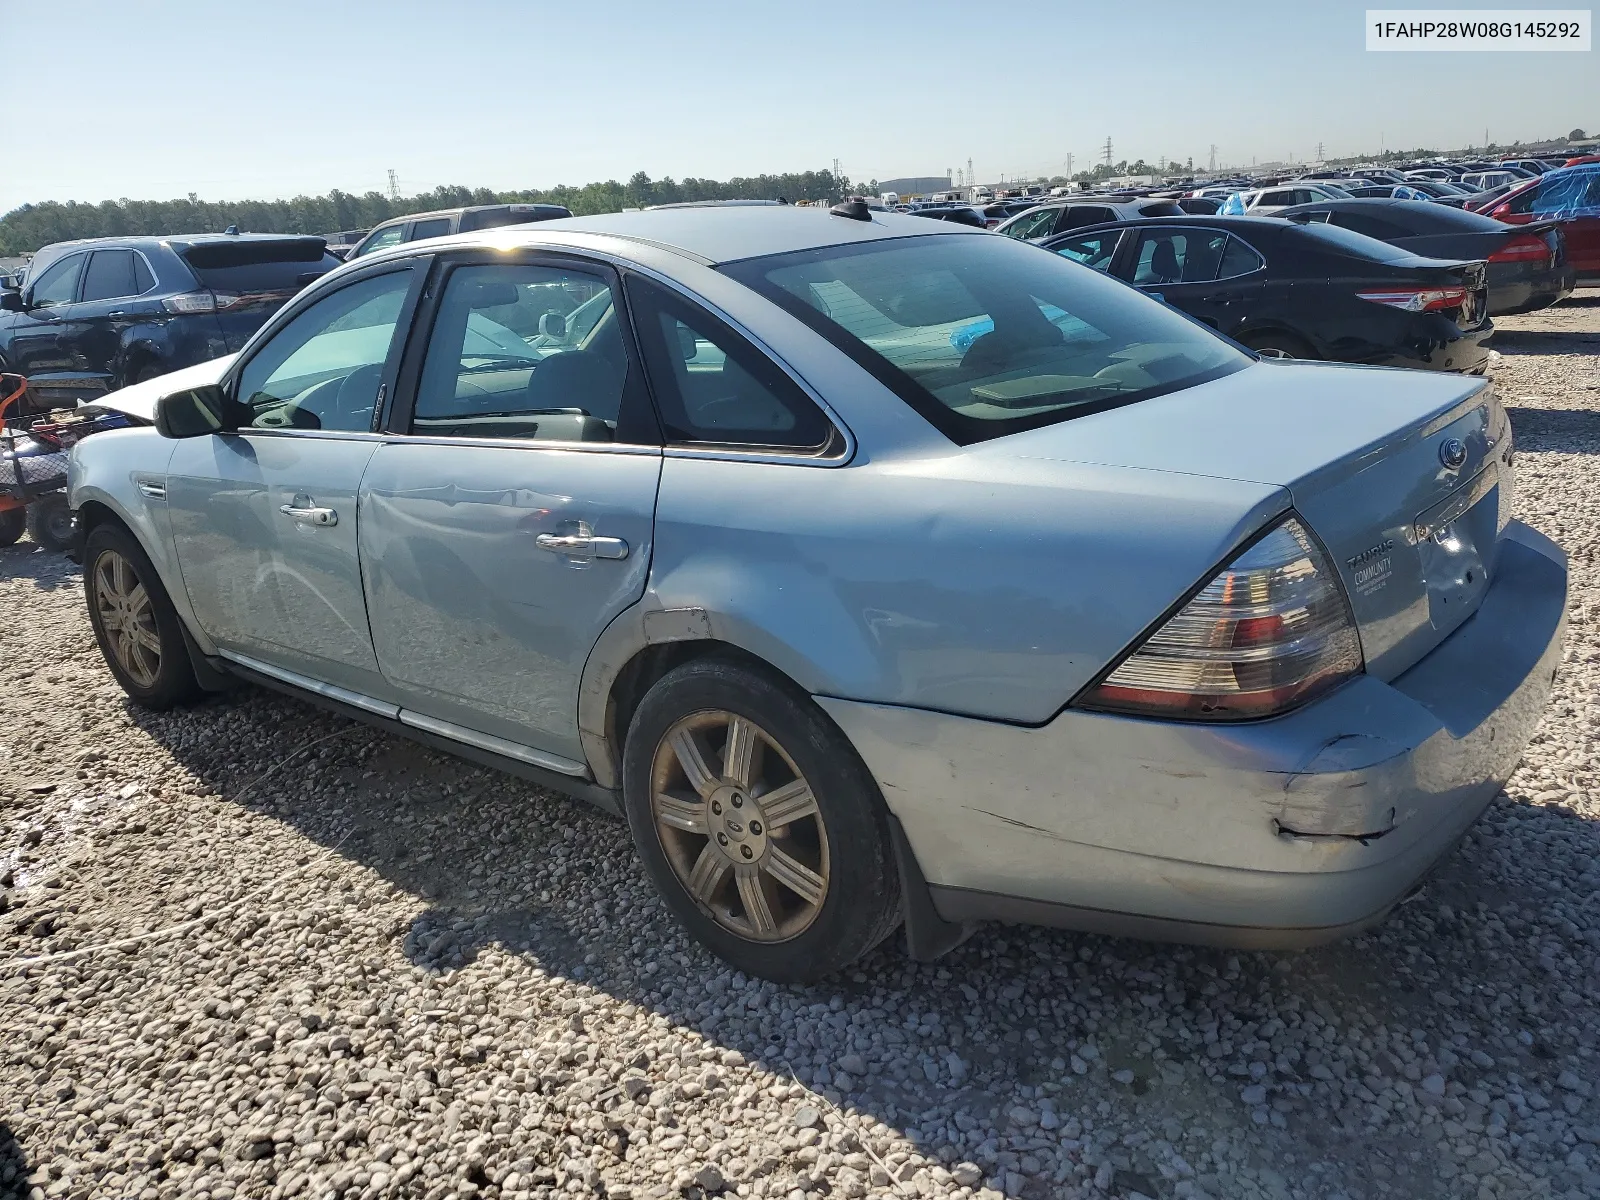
(93, 513)
(641, 672)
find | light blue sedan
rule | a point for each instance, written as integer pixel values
(879, 571)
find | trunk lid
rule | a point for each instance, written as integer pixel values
(1405, 477)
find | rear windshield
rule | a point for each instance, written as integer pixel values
(987, 336)
(262, 265)
(1357, 245)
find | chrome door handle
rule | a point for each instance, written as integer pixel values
(582, 545)
(309, 516)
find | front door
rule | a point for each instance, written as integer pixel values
(511, 518)
(265, 519)
(39, 347)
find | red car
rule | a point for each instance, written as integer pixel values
(1570, 195)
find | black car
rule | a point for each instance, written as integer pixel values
(1060, 216)
(446, 221)
(1528, 264)
(959, 214)
(1200, 206)
(1300, 291)
(97, 315)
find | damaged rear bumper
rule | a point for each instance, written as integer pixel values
(1279, 833)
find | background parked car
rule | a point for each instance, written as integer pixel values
(445, 221)
(1001, 211)
(1571, 196)
(960, 214)
(1528, 267)
(1300, 291)
(1049, 219)
(97, 315)
(1201, 205)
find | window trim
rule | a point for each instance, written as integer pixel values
(417, 265)
(636, 401)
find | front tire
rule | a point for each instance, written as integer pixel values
(13, 522)
(50, 521)
(139, 631)
(758, 822)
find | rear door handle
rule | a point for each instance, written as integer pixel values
(303, 511)
(582, 545)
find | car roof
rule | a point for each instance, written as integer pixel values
(731, 233)
(1411, 214)
(138, 240)
(1240, 225)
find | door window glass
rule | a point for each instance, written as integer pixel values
(389, 235)
(1178, 256)
(322, 370)
(143, 281)
(523, 350)
(1239, 259)
(436, 227)
(714, 387)
(1034, 224)
(110, 275)
(1092, 250)
(58, 285)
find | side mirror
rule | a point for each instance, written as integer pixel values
(553, 325)
(12, 302)
(197, 412)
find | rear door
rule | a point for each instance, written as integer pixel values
(510, 515)
(1208, 273)
(264, 519)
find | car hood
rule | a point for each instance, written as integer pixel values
(1370, 456)
(139, 399)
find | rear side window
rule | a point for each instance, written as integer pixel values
(1080, 215)
(110, 275)
(259, 265)
(987, 336)
(143, 281)
(389, 235)
(712, 387)
(1239, 259)
(435, 227)
(1178, 256)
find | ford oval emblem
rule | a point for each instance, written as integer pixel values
(1452, 453)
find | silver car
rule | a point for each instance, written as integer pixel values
(875, 569)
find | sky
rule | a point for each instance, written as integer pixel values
(231, 100)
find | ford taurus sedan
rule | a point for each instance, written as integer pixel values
(878, 571)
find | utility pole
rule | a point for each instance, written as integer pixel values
(394, 185)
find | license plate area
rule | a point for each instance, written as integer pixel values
(1455, 542)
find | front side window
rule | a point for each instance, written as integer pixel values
(714, 388)
(322, 370)
(1091, 249)
(1038, 223)
(58, 285)
(986, 336)
(1178, 256)
(110, 276)
(524, 350)
(389, 235)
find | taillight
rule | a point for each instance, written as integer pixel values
(1501, 213)
(1270, 631)
(191, 302)
(227, 300)
(1523, 248)
(1418, 299)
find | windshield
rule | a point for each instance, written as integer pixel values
(987, 336)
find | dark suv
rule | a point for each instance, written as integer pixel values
(96, 315)
(453, 220)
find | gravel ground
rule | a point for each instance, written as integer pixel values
(249, 950)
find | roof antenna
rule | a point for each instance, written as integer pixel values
(854, 207)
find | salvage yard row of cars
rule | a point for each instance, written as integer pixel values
(722, 517)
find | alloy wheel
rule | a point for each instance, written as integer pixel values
(740, 825)
(128, 618)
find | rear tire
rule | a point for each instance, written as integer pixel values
(777, 858)
(139, 631)
(145, 371)
(13, 521)
(50, 522)
(1279, 345)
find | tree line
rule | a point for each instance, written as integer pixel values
(24, 230)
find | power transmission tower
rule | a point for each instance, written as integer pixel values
(1319, 151)
(972, 180)
(1107, 151)
(1212, 165)
(394, 185)
(1069, 165)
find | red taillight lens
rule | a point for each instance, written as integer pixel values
(1418, 299)
(1525, 248)
(1270, 631)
